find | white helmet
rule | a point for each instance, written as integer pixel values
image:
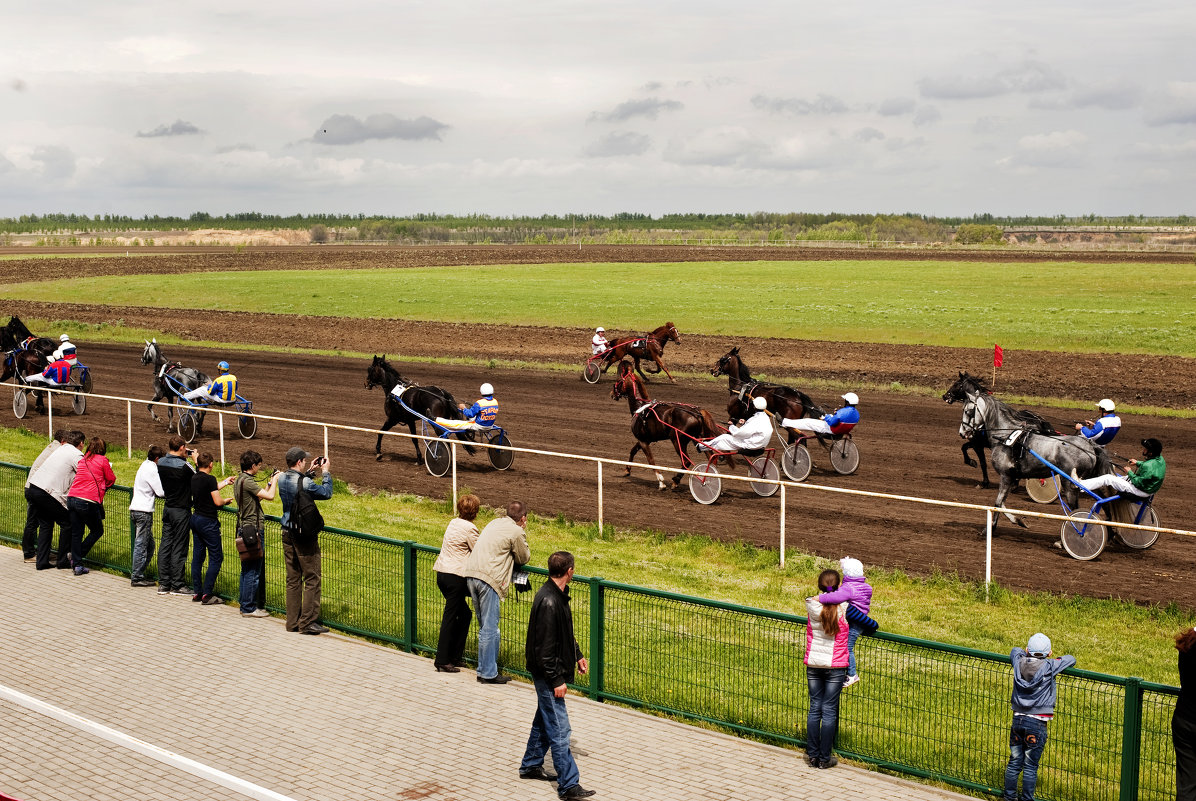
(486, 389)
(65, 338)
(600, 329)
(851, 398)
(1105, 405)
(760, 403)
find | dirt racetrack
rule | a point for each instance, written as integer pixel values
(908, 446)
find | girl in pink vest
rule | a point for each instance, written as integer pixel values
(826, 671)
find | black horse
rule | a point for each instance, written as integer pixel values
(188, 377)
(429, 402)
(16, 336)
(783, 402)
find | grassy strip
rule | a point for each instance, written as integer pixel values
(1055, 306)
(943, 608)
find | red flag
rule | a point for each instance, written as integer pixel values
(998, 356)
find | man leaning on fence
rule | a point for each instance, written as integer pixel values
(29, 536)
(175, 473)
(1033, 702)
(302, 559)
(147, 486)
(501, 547)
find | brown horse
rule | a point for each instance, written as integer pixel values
(650, 346)
(782, 401)
(653, 421)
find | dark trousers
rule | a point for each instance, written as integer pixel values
(172, 554)
(303, 583)
(84, 513)
(207, 542)
(454, 625)
(822, 722)
(1183, 736)
(49, 513)
(29, 537)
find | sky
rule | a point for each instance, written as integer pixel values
(562, 107)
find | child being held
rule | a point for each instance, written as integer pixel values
(858, 594)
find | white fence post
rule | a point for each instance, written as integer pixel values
(129, 418)
(600, 499)
(325, 442)
(453, 455)
(782, 525)
(988, 550)
(50, 412)
(220, 415)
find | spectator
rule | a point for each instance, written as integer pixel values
(29, 536)
(552, 651)
(249, 495)
(302, 559)
(459, 537)
(826, 671)
(146, 487)
(1183, 722)
(85, 500)
(205, 527)
(500, 548)
(47, 491)
(175, 475)
(858, 593)
(1033, 702)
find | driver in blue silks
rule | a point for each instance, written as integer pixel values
(1102, 431)
(485, 411)
(843, 420)
(222, 389)
(55, 375)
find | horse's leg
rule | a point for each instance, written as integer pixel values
(1004, 465)
(418, 443)
(660, 366)
(631, 457)
(639, 369)
(387, 426)
(979, 448)
(660, 485)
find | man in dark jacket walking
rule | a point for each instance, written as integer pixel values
(552, 652)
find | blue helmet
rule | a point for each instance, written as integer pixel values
(222, 367)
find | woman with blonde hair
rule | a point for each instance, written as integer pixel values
(459, 539)
(826, 670)
(1183, 722)
(85, 500)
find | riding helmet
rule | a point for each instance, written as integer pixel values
(760, 403)
(1153, 447)
(1105, 405)
(486, 389)
(65, 338)
(222, 367)
(600, 329)
(852, 398)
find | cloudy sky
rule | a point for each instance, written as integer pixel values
(498, 107)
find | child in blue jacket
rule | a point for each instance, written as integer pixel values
(1033, 702)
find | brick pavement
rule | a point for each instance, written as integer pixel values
(322, 718)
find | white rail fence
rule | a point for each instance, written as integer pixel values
(989, 512)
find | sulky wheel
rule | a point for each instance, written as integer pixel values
(81, 377)
(765, 469)
(437, 457)
(247, 426)
(796, 462)
(187, 426)
(1042, 490)
(20, 404)
(501, 460)
(591, 372)
(1135, 538)
(79, 402)
(845, 456)
(706, 486)
(1083, 537)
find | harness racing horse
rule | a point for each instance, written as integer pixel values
(646, 347)
(976, 440)
(187, 377)
(16, 336)
(430, 401)
(653, 421)
(782, 401)
(1012, 439)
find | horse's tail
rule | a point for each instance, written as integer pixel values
(709, 427)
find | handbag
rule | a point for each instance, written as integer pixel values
(250, 542)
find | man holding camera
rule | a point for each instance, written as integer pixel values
(176, 475)
(302, 558)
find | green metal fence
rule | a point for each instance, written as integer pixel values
(923, 708)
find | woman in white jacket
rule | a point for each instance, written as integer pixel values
(826, 670)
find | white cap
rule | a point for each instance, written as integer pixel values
(599, 329)
(65, 338)
(852, 568)
(486, 389)
(760, 403)
(1039, 645)
(1105, 405)
(850, 397)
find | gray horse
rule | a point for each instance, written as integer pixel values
(168, 377)
(1012, 438)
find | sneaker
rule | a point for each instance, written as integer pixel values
(256, 613)
(851, 680)
(143, 583)
(501, 678)
(213, 600)
(182, 591)
(163, 590)
(80, 570)
(30, 557)
(828, 763)
(196, 598)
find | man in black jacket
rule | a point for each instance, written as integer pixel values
(552, 651)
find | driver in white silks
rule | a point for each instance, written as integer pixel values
(751, 434)
(66, 350)
(840, 422)
(599, 343)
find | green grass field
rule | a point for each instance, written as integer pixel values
(1142, 308)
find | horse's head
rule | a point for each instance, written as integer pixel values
(381, 374)
(626, 383)
(973, 420)
(670, 332)
(151, 353)
(728, 364)
(965, 386)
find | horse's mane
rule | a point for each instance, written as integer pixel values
(1027, 418)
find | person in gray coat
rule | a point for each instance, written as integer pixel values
(501, 547)
(1033, 702)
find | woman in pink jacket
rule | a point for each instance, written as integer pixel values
(826, 671)
(85, 500)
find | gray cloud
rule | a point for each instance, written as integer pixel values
(57, 162)
(235, 148)
(868, 134)
(1054, 149)
(649, 107)
(987, 124)
(927, 115)
(623, 143)
(18, 85)
(718, 147)
(1143, 151)
(823, 104)
(652, 86)
(896, 106)
(1111, 97)
(1027, 78)
(1175, 106)
(345, 129)
(176, 128)
(896, 145)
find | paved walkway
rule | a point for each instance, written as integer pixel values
(320, 718)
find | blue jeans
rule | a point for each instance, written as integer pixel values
(143, 543)
(485, 605)
(853, 634)
(1027, 738)
(550, 730)
(206, 531)
(253, 576)
(822, 724)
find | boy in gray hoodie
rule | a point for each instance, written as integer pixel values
(1033, 702)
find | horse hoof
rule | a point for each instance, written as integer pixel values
(378, 457)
